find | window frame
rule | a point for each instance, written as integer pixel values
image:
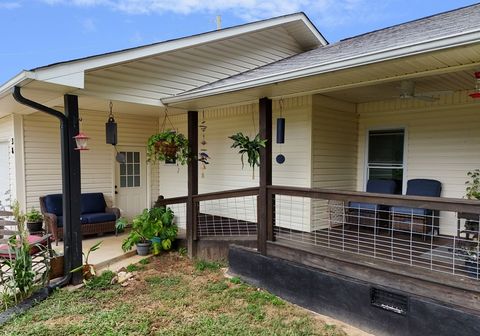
(405, 153)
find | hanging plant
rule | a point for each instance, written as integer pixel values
(248, 146)
(168, 145)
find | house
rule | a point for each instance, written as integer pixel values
(390, 104)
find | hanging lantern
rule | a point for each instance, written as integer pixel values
(111, 128)
(81, 139)
(281, 125)
(476, 94)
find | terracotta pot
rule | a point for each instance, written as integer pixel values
(56, 267)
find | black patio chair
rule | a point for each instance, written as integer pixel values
(415, 220)
(369, 214)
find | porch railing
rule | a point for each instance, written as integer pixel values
(439, 234)
(230, 213)
(440, 239)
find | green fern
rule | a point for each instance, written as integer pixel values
(248, 146)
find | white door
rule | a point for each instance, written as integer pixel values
(131, 181)
(4, 174)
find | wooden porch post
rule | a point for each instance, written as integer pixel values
(71, 210)
(264, 206)
(192, 183)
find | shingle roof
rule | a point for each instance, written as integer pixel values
(434, 27)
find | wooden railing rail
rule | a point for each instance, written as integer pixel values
(173, 200)
(433, 203)
(253, 191)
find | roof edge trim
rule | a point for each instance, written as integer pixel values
(383, 55)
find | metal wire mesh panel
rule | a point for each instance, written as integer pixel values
(180, 214)
(441, 241)
(234, 216)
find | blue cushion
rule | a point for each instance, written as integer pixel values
(93, 218)
(381, 186)
(92, 203)
(424, 187)
(60, 221)
(409, 211)
(363, 206)
(53, 204)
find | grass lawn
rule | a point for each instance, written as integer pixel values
(170, 295)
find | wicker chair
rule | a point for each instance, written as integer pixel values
(95, 218)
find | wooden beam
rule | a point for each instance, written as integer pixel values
(192, 183)
(264, 213)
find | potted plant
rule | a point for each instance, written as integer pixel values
(248, 146)
(34, 220)
(168, 145)
(88, 270)
(165, 234)
(152, 227)
(473, 184)
(470, 250)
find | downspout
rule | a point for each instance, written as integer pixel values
(65, 153)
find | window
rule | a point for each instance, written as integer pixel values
(385, 156)
(130, 170)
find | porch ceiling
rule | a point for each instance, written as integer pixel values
(442, 70)
(145, 74)
(148, 80)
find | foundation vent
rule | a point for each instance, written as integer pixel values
(386, 300)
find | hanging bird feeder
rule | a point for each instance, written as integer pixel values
(476, 94)
(81, 140)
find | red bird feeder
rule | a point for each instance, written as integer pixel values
(476, 94)
(81, 139)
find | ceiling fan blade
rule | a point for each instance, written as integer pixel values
(426, 98)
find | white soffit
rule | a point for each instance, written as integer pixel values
(148, 73)
(450, 66)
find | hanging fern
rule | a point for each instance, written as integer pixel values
(248, 146)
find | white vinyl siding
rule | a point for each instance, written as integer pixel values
(334, 151)
(225, 170)
(442, 140)
(7, 170)
(43, 161)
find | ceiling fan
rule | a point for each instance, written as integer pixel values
(407, 91)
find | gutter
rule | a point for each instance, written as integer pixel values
(17, 95)
(336, 65)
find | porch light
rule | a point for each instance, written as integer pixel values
(81, 139)
(476, 94)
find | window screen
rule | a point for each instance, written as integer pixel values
(130, 170)
(386, 156)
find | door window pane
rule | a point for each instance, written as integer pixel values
(130, 170)
(385, 156)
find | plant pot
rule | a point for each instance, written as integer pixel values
(56, 267)
(143, 249)
(35, 226)
(472, 268)
(167, 149)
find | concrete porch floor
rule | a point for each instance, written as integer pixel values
(110, 254)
